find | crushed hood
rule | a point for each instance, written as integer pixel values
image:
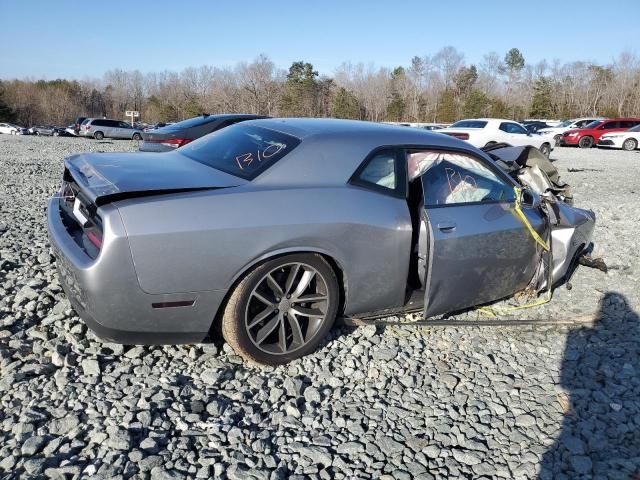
(529, 167)
(106, 177)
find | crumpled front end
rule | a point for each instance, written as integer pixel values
(571, 228)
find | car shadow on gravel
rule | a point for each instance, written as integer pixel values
(600, 377)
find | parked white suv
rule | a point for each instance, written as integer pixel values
(100, 128)
(482, 132)
(555, 133)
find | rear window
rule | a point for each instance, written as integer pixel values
(194, 122)
(469, 124)
(241, 150)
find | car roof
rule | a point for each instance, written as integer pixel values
(488, 119)
(332, 149)
(381, 133)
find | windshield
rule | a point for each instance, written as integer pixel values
(241, 150)
(469, 124)
(634, 129)
(566, 123)
(593, 124)
(193, 122)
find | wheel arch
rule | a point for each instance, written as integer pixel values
(336, 265)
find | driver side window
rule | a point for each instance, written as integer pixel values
(456, 178)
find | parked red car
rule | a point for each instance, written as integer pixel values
(590, 134)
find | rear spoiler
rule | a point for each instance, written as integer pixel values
(100, 191)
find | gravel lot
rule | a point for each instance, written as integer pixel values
(401, 402)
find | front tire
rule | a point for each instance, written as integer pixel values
(98, 135)
(556, 138)
(282, 309)
(545, 148)
(630, 144)
(137, 137)
(586, 142)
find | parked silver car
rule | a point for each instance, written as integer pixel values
(100, 128)
(269, 229)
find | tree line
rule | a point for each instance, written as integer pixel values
(438, 88)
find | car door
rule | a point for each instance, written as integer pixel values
(113, 129)
(124, 130)
(607, 127)
(478, 249)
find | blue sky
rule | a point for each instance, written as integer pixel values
(77, 39)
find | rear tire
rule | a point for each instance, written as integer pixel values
(98, 135)
(630, 144)
(290, 300)
(586, 142)
(137, 137)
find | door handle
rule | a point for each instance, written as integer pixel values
(446, 226)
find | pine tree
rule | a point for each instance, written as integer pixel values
(6, 112)
(446, 111)
(477, 104)
(541, 103)
(395, 110)
(300, 91)
(345, 105)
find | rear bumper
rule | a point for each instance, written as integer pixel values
(106, 294)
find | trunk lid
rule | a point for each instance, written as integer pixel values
(107, 177)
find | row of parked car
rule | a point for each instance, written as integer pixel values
(622, 133)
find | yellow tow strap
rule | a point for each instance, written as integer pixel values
(494, 311)
(520, 214)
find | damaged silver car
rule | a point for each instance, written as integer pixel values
(266, 231)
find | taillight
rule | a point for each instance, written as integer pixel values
(172, 142)
(461, 136)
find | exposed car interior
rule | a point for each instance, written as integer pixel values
(434, 178)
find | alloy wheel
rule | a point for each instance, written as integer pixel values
(630, 144)
(287, 308)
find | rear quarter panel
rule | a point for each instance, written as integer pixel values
(205, 241)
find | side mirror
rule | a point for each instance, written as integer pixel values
(529, 199)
